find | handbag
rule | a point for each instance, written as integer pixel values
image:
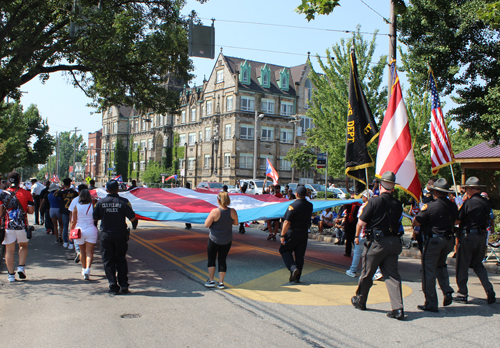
(75, 233)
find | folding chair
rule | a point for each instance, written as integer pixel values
(494, 251)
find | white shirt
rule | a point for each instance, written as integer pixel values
(73, 204)
(327, 216)
(37, 188)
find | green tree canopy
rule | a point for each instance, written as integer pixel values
(24, 137)
(119, 52)
(66, 151)
(330, 101)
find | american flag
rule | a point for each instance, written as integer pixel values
(395, 152)
(441, 151)
(271, 172)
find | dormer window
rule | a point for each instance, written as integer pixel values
(245, 77)
(265, 76)
(284, 80)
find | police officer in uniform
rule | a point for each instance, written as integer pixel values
(113, 210)
(294, 234)
(437, 219)
(473, 220)
(381, 217)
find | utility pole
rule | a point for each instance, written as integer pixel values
(74, 150)
(57, 154)
(392, 42)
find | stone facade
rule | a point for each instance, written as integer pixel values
(216, 124)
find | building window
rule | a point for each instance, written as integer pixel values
(183, 116)
(191, 138)
(283, 82)
(308, 93)
(220, 76)
(115, 128)
(227, 132)
(143, 165)
(265, 80)
(143, 144)
(200, 136)
(286, 108)
(267, 134)
(284, 164)
(307, 174)
(229, 103)
(227, 160)
(160, 120)
(263, 161)
(136, 126)
(209, 108)
(246, 131)
(306, 123)
(134, 166)
(265, 76)
(245, 69)
(247, 103)
(181, 163)
(182, 139)
(208, 133)
(246, 160)
(150, 144)
(245, 76)
(267, 106)
(193, 115)
(190, 163)
(206, 163)
(286, 135)
(105, 129)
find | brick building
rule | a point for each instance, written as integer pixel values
(93, 154)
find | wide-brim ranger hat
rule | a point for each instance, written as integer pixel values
(441, 185)
(53, 187)
(389, 177)
(473, 182)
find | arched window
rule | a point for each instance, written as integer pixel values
(265, 80)
(245, 76)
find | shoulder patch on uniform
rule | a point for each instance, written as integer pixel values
(424, 207)
(290, 207)
(128, 203)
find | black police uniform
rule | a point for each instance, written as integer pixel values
(437, 219)
(474, 216)
(113, 210)
(299, 215)
(382, 215)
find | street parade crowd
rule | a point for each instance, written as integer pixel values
(372, 233)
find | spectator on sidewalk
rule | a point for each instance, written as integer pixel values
(16, 203)
(326, 219)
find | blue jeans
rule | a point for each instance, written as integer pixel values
(65, 220)
(358, 250)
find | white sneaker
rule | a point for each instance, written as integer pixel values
(21, 272)
(65, 245)
(71, 246)
(377, 276)
(350, 274)
(210, 284)
(12, 277)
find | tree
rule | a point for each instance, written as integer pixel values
(330, 101)
(152, 172)
(301, 158)
(121, 159)
(67, 149)
(24, 137)
(119, 52)
(462, 48)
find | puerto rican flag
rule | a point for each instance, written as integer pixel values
(395, 151)
(55, 178)
(441, 151)
(172, 177)
(193, 206)
(271, 172)
(118, 178)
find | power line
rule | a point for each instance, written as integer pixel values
(297, 27)
(385, 19)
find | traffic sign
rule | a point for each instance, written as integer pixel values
(87, 179)
(321, 161)
(163, 174)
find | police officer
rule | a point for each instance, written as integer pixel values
(294, 234)
(381, 218)
(473, 220)
(113, 210)
(437, 218)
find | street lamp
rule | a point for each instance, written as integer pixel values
(296, 119)
(257, 117)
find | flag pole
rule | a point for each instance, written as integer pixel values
(366, 174)
(454, 182)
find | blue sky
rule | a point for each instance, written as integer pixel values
(65, 107)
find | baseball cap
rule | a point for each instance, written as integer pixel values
(112, 185)
(301, 190)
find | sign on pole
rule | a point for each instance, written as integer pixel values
(321, 160)
(87, 179)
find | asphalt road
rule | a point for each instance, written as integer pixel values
(170, 307)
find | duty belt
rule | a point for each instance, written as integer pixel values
(434, 235)
(474, 231)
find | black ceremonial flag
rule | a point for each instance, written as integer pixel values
(361, 129)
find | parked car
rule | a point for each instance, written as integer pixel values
(338, 192)
(210, 186)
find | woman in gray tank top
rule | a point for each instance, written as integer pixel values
(220, 221)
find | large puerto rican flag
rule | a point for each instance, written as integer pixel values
(441, 151)
(193, 206)
(395, 151)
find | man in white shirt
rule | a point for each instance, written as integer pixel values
(36, 189)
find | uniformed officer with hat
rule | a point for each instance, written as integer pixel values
(113, 210)
(437, 219)
(381, 217)
(294, 234)
(473, 220)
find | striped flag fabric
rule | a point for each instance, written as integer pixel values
(271, 172)
(441, 151)
(193, 206)
(171, 177)
(395, 151)
(118, 178)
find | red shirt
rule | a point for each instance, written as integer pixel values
(278, 195)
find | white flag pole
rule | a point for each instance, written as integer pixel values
(454, 182)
